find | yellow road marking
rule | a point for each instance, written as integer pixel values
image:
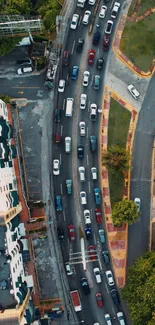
(26, 87)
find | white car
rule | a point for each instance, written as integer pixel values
(120, 318)
(109, 277)
(61, 86)
(83, 198)
(91, 2)
(109, 27)
(87, 217)
(82, 174)
(97, 275)
(74, 22)
(108, 319)
(103, 12)
(86, 76)
(94, 173)
(68, 268)
(83, 101)
(56, 167)
(138, 202)
(82, 126)
(133, 91)
(115, 10)
(86, 16)
(93, 112)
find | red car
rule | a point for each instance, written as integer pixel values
(98, 215)
(57, 137)
(91, 57)
(71, 230)
(92, 252)
(106, 43)
(66, 57)
(99, 300)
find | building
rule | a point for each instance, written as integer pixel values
(16, 305)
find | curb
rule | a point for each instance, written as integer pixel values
(152, 220)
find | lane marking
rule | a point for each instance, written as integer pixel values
(89, 186)
(25, 87)
(88, 106)
(113, 311)
(87, 132)
(61, 129)
(60, 158)
(73, 47)
(95, 239)
(63, 104)
(99, 262)
(91, 83)
(106, 287)
(112, 4)
(87, 160)
(64, 215)
(80, 21)
(61, 189)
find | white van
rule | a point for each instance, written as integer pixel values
(97, 275)
(67, 144)
(24, 70)
(82, 174)
(81, 3)
(69, 107)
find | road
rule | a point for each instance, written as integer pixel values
(72, 210)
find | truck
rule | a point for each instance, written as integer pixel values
(81, 3)
(76, 300)
(69, 107)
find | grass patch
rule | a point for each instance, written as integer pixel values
(137, 42)
(119, 120)
(132, 8)
(145, 6)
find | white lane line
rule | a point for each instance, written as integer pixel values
(80, 21)
(112, 4)
(100, 264)
(61, 129)
(68, 243)
(95, 239)
(113, 311)
(87, 160)
(60, 158)
(61, 189)
(64, 215)
(91, 83)
(89, 186)
(73, 47)
(74, 270)
(87, 133)
(88, 106)
(107, 287)
(63, 104)
(67, 76)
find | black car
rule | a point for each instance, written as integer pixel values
(106, 256)
(115, 296)
(85, 286)
(99, 64)
(23, 61)
(96, 38)
(79, 45)
(57, 115)
(80, 151)
(88, 233)
(60, 232)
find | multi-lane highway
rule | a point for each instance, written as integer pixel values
(72, 209)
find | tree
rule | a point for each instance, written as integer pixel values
(139, 291)
(117, 159)
(125, 211)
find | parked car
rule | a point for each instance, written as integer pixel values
(121, 318)
(92, 252)
(97, 82)
(82, 126)
(58, 201)
(85, 20)
(56, 167)
(106, 43)
(87, 217)
(88, 233)
(68, 142)
(68, 269)
(60, 233)
(79, 46)
(102, 235)
(24, 70)
(74, 22)
(94, 173)
(93, 143)
(57, 137)
(115, 296)
(83, 197)
(103, 12)
(98, 215)
(83, 101)
(92, 2)
(80, 151)
(109, 27)
(133, 91)
(85, 286)
(69, 186)
(91, 57)
(99, 64)
(106, 257)
(97, 274)
(97, 195)
(72, 234)
(24, 61)
(66, 55)
(75, 72)
(115, 10)
(93, 112)
(96, 38)
(58, 115)
(61, 86)
(138, 203)
(108, 319)
(86, 77)
(109, 277)
(81, 170)
(99, 300)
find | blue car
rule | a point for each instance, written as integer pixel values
(58, 203)
(97, 195)
(88, 232)
(75, 72)
(102, 235)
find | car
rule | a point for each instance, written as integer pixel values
(91, 57)
(72, 234)
(99, 64)
(83, 197)
(115, 10)
(91, 2)
(106, 257)
(115, 296)
(61, 86)
(98, 215)
(58, 201)
(92, 252)
(102, 236)
(96, 38)
(94, 173)
(109, 27)
(24, 61)
(106, 43)
(109, 277)
(120, 318)
(80, 151)
(108, 319)
(66, 55)
(68, 269)
(57, 137)
(74, 22)
(97, 82)
(97, 195)
(88, 233)
(75, 72)
(58, 115)
(60, 233)
(85, 20)
(99, 300)
(87, 217)
(23, 70)
(103, 12)
(79, 46)
(97, 274)
(133, 91)
(68, 142)
(82, 126)
(56, 167)
(93, 143)
(85, 286)
(86, 77)
(69, 186)
(83, 101)
(138, 203)
(93, 112)
(81, 170)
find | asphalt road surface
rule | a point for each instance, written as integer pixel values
(72, 209)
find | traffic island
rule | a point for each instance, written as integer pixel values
(117, 237)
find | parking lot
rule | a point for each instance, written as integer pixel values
(8, 62)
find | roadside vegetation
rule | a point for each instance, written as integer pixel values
(125, 211)
(137, 41)
(119, 120)
(139, 291)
